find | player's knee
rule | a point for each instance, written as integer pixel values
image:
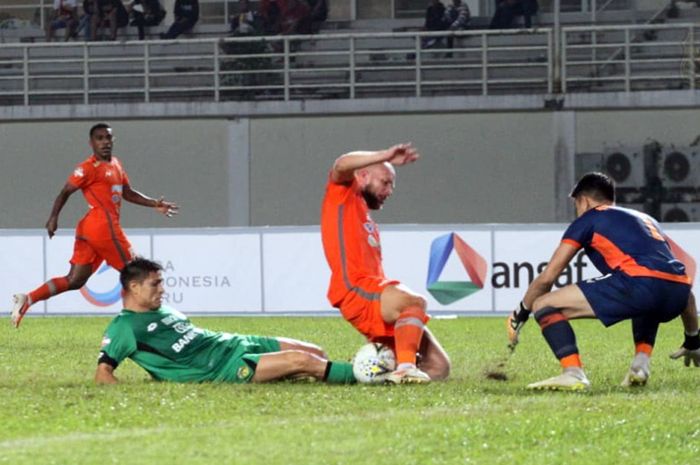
(539, 303)
(442, 369)
(438, 367)
(75, 282)
(414, 301)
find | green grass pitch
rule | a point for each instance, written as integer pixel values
(53, 414)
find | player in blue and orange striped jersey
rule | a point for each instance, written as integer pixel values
(642, 281)
(98, 235)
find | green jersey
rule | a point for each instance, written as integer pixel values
(168, 346)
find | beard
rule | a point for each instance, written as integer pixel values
(373, 202)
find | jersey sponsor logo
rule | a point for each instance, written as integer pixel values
(372, 241)
(184, 341)
(102, 299)
(168, 320)
(78, 172)
(182, 327)
(243, 372)
(448, 292)
(152, 327)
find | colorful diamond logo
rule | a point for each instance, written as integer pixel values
(447, 292)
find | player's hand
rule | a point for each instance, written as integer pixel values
(51, 226)
(688, 356)
(169, 209)
(402, 154)
(690, 351)
(515, 323)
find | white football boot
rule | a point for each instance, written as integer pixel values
(571, 379)
(639, 372)
(408, 375)
(20, 305)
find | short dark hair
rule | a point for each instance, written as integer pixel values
(99, 126)
(596, 185)
(137, 269)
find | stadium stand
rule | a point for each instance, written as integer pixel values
(354, 59)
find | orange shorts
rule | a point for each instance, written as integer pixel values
(361, 307)
(106, 243)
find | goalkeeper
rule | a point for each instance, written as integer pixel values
(164, 342)
(642, 281)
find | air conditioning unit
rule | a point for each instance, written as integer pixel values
(625, 165)
(680, 167)
(680, 212)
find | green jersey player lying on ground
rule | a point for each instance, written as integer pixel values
(168, 346)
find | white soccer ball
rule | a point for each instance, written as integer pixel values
(373, 362)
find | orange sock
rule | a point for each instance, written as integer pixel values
(571, 361)
(408, 331)
(49, 289)
(644, 348)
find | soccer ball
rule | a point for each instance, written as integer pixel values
(373, 362)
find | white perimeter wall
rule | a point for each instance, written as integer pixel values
(283, 270)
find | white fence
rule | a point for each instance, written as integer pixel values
(283, 270)
(350, 66)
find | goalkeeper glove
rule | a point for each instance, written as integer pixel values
(690, 350)
(515, 324)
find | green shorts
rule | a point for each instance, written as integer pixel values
(243, 362)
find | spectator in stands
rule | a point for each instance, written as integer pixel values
(457, 16)
(86, 19)
(145, 13)
(110, 14)
(64, 15)
(319, 14)
(434, 21)
(246, 22)
(271, 14)
(296, 17)
(186, 16)
(508, 10)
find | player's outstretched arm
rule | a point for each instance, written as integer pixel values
(167, 208)
(346, 165)
(105, 374)
(61, 199)
(540, 285)
(544, 281)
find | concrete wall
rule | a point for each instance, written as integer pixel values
(474, 167)
(477, 167)
(183, 160)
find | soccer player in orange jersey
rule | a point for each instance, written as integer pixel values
(98, 236)
(383, 310)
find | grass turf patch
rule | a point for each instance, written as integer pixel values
(52, 412)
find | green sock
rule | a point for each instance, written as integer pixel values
(339, 373)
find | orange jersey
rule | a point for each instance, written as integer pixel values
(102, 183)
(350, 240)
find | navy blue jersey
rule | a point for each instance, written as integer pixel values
(617, 238)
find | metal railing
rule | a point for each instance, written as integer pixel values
(634, 57)
(352, 66)
(331, 66)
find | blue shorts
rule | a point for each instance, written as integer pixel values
(618, 296)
